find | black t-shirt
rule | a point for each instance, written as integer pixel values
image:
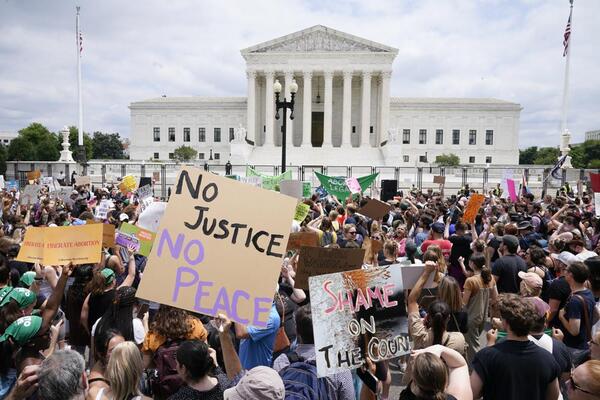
(561, 354)
(98, 304)
(559, 290)
(515, 370)
(507, 268)
(462, 319)
(461, 247)
(574, 309)
(495, 243)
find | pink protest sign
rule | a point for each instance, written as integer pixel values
(353, 185)
(512, 190)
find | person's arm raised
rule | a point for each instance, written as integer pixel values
(413, 297)
(130, 269)
(231, 360)
(55, 298)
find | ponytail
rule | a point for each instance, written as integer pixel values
(438, 314)
(486, 275)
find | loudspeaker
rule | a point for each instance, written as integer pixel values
(389, 188)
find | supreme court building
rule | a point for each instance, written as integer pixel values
(344, 114)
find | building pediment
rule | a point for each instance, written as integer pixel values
(319, 39)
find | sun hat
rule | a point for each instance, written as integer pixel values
(260, 383)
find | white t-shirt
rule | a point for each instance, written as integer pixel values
(138, 330)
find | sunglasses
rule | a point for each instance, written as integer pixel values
(575, 386)
(352, 233)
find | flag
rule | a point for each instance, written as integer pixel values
(80, 43)
(556, 168)
(524, 187)
(595, 182)
(567, 34)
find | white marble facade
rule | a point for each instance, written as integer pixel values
(343, 80)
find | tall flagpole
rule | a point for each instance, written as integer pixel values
(565, 134)
(79, 44)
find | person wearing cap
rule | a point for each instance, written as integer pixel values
(507, 267)
(437, 237)
(531, 284)
(559, 290)
(27, 279)
(527, 236)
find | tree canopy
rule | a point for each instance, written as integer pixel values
(447, 160)
(107, 146)
(184, 153)
(584, 155)
(35, 142)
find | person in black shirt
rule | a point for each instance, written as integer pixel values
(507, 267)
(515, 368)
(461, 247)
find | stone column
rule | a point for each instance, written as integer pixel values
(289, 76)
(346, 110)
(384, 106)
(307, 109)
(251, 109)
(327, 108)
(269, 108)
(365, 121)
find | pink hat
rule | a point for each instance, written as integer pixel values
(531, 279)
(540, 305)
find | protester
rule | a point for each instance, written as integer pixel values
(62, 377)
(102, 347)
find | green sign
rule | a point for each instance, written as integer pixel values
(269, 182)
(301, 212)
(306, 189)
(336, 185)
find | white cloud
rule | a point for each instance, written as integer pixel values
(139, 49)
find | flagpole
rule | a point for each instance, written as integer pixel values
(565, 134)
(79, 96)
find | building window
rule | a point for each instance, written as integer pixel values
(423, 136)
(472, 136)
(217, 135)
(171, 156)
(489, 137)
(488, 160)
(406, 137)
(202, 134)
(201, 156)
(354, 129)
(405, 158)
(186, 134)
(217, 156)
(156, 156)
(371, 129)
(231, 134)
(423, 159)
(156, 134)
(171, 134)
(472, 160)
(439, 136)
(456, 136)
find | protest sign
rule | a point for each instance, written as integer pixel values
(80, 244)
(108, 235)
(595, 182)
(145, 180)
(102, 209)
(63, 193)
(353, 185)
(145, 196)
(49, 181)
(30, 194)
(12, 185)
(472, 208)
(291, 188)
(145, 237)
(150, 218)
(321, 192)
(33, 175)
(372, 249)
(2, 184)
(301, 212)
(358, 315)
(375, 209)
(255, 181)
(511, 186)
(337, 185)
(306, 189)
(440, 180)
(298, 240)
(156, 176)
(214, 254)
(597, 203)
(320, 260)
(127, 241)
(269, 182)
(82, 180)
(128, 184)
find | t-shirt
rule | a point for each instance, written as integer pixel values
(444, 244)
(98, 304)
(153, 341)
(574, 310)
(459, 322)
(258, 348)
(507, 268)
(461, 247)
(559, 290)
(515, 370)
(559, 351)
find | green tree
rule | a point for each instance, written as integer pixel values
(3, 156)
(107, 146)
(184, 153)
(578, 159)
(87, 144)
(41, 144)
(20, 149)
(447, 160)
(591, 153)
(46, 149)
(547, 156)
(527, 156)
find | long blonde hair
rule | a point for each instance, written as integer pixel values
(124, 370)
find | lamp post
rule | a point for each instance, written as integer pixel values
(285, 105)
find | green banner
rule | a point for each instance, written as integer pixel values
(270, 182)
(306, 189)
(336, 185)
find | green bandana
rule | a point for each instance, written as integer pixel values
(109, 275)
(22, 329)
(4, 291)
(23, 297)
(28, 278)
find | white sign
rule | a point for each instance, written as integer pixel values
(150, 218)
(597, 203)
(255, 181)
(30, 194)
(103, 208)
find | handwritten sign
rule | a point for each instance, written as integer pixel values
(103, 208)
(150, 218)
(256, 181)
(33, 175)
(358, 315)
(597, 203)
(302, 211)
(60, 245)
(12, 185)
(143, 236)
(83, 180)
(320, 260)
(30, 194)
(156, 176)
(440, 180)
(298, 240)
(63, 193)
(224, 256)
(472, 208)
(128, 184)
(127, 240)
(353, 185)
(375, 209)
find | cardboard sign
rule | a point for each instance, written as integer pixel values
(80, 244)
(128, 184)
(82, 180)
(372, 249)
(12, 185)
(315, 261)
(306, 189)
(597, 203)
(127, 240)
(143, 236)
(108, 235)
(302, 211)
(214, 254)
(298, 240)
(30, 194)
(440, 180)
(475, 202)
(353, 185)
(150, 218)
(358, 315)
(291, 188)
(33, 175)
(144, 192)
(375, 209)
(595, 182)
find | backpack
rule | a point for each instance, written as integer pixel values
(167, 381)
(301, 381)
(543, 227)
(326, 239)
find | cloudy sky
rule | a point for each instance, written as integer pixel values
(136, 49)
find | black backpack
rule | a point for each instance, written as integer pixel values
(167, 380)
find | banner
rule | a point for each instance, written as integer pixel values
(512, 190)
(358, 315)
(214, 254)
(472, 208)
(595, 182)
(337, 185)
(320, 260)
(302, 211)
(143, 236)
(291, 188)
(306, 189)
(255, 181)
(269, 182)
(80, 244)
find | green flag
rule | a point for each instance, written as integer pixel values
(336, 185)
(269, 182)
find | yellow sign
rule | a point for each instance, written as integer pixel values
(128, 184)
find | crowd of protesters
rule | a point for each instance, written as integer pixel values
(512, 313)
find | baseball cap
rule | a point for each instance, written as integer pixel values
(109, 275)
(524, 225)
(22, 329)
(531, 279)
(27, 278)
(541, 307)
(438, 227)
(123, 217)
(510, 241)
(260, 383)
(565, 257)
(24, 297)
